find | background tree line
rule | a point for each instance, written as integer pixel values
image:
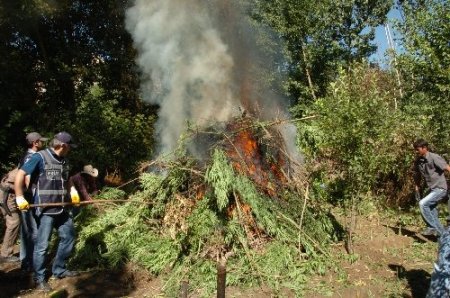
(70, 65)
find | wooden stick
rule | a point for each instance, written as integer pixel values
(80, 203)
(221, 279)
(184, 289)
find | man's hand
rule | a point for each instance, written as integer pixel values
(22, 203)
(417, 196)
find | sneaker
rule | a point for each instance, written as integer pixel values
(11, 259)
(429, 232)
(43, 286)
(67, 273)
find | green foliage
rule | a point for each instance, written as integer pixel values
(281, 258)
(425, 33)
(220, 175)
(203, 224)
(117, 140)
(425, 66)
(162, 186)
(119, 235)
(320, 37)
(202, 272)
(111, 193)
(167, 226)
(362, 137)
(54, 54)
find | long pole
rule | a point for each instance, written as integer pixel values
(221, 279)
(73, 204)
(393, 53)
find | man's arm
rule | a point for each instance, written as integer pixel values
(417, 177)
(439, 162)
(18, 189)
(19, 182)
(27, 181)
(21, 179)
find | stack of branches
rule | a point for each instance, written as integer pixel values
(242, 204)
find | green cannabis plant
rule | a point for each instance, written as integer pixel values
(189, 216)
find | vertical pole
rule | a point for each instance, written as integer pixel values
(184, 289)
(221, 279)
(391, 45)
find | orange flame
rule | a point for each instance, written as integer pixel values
(247, 157)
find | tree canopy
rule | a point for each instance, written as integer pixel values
(71, 65)
(56, 55)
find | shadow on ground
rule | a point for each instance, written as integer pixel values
(15, 282)
(104, 284)
(418, 280)
(416, 236)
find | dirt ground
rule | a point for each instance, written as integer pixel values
(386, 262)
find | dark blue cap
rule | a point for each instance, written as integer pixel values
(66, 138)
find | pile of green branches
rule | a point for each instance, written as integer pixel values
(187, 217)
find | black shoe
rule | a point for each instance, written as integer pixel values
(43, 286)
(11, 259)
(67, 273)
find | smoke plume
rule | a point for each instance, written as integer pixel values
(198, 61)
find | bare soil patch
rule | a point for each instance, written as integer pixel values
(387, 261)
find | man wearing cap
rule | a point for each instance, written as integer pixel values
(34, 142)
(28, 228)
(51, 187)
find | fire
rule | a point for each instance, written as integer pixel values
(250, 156)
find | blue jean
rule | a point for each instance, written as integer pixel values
(428, 208)
(64, 225)
(28, 235)
(440, 278)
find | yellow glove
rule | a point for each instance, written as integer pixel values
(74, 196)
(22, 203)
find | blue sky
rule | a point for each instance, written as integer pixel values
(381, 40)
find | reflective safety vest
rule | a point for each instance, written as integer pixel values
(51, 185)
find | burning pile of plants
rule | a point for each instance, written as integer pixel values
(241, 204)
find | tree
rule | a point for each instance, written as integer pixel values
(360, 144)
(54, 52)
(425, 64)
(320, 36)
(114, 139)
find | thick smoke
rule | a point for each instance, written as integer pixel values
(198, 61)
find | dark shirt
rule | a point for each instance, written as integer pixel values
(84, 184)
(26, 157)
(29, 192)
(431, 167)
